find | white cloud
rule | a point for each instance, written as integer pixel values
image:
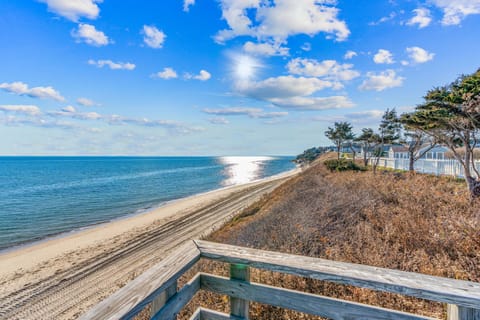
(242, 111)
(69, 109)
(330, 69)
(202, 76)
(349, 55)
(112, 65)
(187, 4)
(218, 120)
(22, 109)
(280, 19)
(381, 81)
(265, 49)
(282, 87)
(391, 16)
(153, 37)
(74, 9)
(167, 73)
(383, 56)
(307, 46)
(422, 18)
(87, 102)
(314, 103)
(88, 34)
(454, 11)
(22, 89)
(419, 55)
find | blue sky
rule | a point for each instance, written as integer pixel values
(218, 77)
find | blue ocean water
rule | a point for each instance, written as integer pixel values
(45, 196)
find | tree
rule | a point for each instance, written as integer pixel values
(388, 132)
(451, 115)
(339, 134)
(415, 140)
(368, 139)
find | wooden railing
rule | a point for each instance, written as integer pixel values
(159, 286)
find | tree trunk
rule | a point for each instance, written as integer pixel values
(365, 160)
(338, 152)
(411, 162)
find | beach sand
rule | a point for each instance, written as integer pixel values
(36, 281)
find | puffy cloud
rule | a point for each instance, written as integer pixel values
(242, 111)
(153, 37)
(21, 109)
(167, 73)
(454, 11)
(282, 87)
(69, 109)
(314, 103)
(280, 19)
(349, 55)
(74, 9)
(202, 76)
(293, 92)
(330, 69)
(381, 81)
(419, 55)
(422, 18)
(265, 49)
(22, 89)
(112, 65)
(88, 34)
(187, 4)
(383, 56)
(86, 102)
(218, 120)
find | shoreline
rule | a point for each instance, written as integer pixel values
(28, 255)
(138, 212)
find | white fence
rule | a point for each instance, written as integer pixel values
(436, 167)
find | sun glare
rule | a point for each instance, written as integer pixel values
(245, 67)
(240, 170)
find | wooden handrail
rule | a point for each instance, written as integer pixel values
(132, 298)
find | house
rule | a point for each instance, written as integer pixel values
(398, 152)
(437, 153)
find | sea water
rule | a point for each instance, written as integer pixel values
(46, 196)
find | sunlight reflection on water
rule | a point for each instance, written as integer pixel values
(240, 170)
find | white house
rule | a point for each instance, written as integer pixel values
(398, 152)
(437, 153)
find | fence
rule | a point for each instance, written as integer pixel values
(158, 286)
(436, 167)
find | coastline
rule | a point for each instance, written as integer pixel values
(51, 256)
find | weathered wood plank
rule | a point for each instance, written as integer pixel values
(299, 301)
(132, 298)
(162, 298)
(178, 301)
(461, 313)
(446, 290)
(239, 307)
(207, 314)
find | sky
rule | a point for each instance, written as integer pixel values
(218, 77)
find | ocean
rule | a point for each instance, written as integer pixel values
(45, 196)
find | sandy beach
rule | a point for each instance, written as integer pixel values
(37, 281)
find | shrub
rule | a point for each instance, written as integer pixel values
(342, 165)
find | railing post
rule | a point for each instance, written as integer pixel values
(239, 307)
(455, 312)
(162, 298)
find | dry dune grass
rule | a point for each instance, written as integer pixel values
(408, 222)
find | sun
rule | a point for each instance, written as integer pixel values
(245, 67)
